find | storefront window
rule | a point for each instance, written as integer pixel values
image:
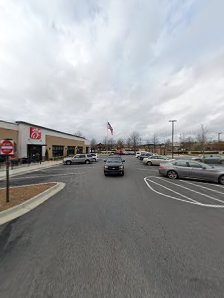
(79, 150)
(57, 150)
(71, 150)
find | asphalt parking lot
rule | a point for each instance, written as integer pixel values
(140, 235)
(192, 192)
(204, 194)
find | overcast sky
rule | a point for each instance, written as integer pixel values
(73, 65)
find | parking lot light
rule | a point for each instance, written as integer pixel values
(172, 133)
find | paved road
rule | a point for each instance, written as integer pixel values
(113, 237)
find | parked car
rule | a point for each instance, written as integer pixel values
(137, 154)
(78, 158)
(155, 160)
(120, 152)
(144, 155)
(192, 170)
(130, 152)
(210, 159)
(94, 156)
(114, 166)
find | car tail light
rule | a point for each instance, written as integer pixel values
(161, 167)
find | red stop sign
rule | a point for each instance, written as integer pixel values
(7, 147)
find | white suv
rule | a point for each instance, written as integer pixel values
(78, 158)
(139, 153)
(94, 156)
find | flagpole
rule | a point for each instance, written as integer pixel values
(107, 135)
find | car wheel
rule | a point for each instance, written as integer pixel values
(105, 174)
(172, 175)
(68, 162)
(122, 174)
(94, 159)
(149, 163)
(87, 161)
(221, 179)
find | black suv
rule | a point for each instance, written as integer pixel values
(114, 166)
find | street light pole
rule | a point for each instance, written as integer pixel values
(172, 133)
(219, 133)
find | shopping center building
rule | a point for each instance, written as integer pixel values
(34, 140)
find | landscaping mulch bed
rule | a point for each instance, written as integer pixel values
(18, 195)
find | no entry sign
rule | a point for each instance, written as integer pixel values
(6, 147)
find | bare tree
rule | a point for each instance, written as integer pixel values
(78, 134)
(128, 142)
(148, 145)
(202, 138)
(120, 143)
(155, 141)
(110, 144)
(135, 140)
(105, 143)
(190, 141)
(168, 145)
(93, 144)
(186, 143)
(182, 141)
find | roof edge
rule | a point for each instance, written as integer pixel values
(69, 134)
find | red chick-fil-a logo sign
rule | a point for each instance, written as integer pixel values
(35, 133)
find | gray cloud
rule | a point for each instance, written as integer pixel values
(73, 65)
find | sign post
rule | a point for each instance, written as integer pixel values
(7, 149)
(7, 178)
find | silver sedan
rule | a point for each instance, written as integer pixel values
(155, 160)
(212, 159)
(192, 170)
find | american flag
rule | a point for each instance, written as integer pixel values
(110, 127)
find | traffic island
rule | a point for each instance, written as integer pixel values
(25, 198)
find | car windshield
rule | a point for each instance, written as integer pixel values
(114, 160)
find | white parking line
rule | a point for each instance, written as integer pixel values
(189, 201)
(173, 191)
(203, 183)
(197, 192)
(210, 189)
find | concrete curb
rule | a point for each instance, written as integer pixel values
(31, 168)
(21, 209)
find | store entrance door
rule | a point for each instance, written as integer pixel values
(34, 152)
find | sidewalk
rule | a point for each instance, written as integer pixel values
(21, 169)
